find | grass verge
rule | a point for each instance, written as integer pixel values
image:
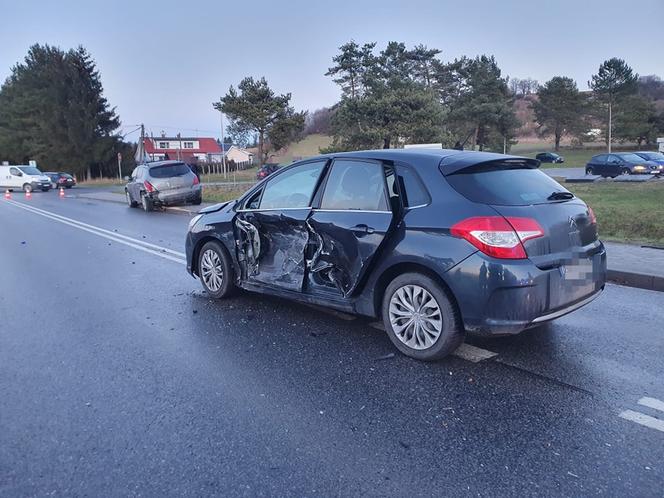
(223, 194)
(632, 213)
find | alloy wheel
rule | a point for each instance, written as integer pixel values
(415, 317)
(212, 270)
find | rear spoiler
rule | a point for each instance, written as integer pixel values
(480, 160)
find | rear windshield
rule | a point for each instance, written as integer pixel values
(504, 185)
(169, 170)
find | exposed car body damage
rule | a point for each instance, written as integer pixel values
(248, 247)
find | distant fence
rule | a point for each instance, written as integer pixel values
(218, 167)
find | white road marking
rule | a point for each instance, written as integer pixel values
(472, 353)
(162, 252)
(465, 351)
(643, 419)
(109, 232)
(652, 403)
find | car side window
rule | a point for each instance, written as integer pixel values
(292, 189)
(614, 160)
(355, 185)
(601, 159)
(414, 192)
(14, 171)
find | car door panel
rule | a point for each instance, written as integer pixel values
(348, 227)
(271, 229)
(344, 243)
(271, 246)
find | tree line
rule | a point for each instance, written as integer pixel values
(52, 110)
(396, 96)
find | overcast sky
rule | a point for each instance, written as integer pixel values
(164, 63)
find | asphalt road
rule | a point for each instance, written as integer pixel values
(118, 376)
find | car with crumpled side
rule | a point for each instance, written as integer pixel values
(436, 243)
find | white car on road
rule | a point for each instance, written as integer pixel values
(26, 178)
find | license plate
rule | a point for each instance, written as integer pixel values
(582, 270)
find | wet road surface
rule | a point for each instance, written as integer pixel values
(118, 376)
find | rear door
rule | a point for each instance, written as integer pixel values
(271, 228)
(348, 225)
(598, 164)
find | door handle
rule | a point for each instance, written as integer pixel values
(362, 229)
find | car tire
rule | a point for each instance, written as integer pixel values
(45, 189)
(146, 203)
(215, 270)
(197, 201)
(589, 171)
(416, 289)
(27, 188)
(130, 203)
(625, 171)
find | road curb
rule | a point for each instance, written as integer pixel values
(638, 280)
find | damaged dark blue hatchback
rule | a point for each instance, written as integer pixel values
(435, 242)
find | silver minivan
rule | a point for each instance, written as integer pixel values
(162, 183)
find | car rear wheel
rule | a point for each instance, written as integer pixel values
(215, 270)
(146, 203)
(27, 188)
(130, 203)
(420, 317)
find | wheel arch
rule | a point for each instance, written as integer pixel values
(400, 268)
(197, 250)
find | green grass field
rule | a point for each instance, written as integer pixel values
(626, 212)
(307, 147)
(223, 194)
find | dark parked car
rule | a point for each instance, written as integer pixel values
(656, 157)
(620, 163)
(266, 170)
(549, 157)
(162, 183)
(436, 242)
(59, 180)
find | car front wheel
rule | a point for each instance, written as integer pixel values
(215, 270)
(625, 171)
(589, 171)
(420, 317)
(27, 188)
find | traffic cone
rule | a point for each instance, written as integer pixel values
(8, 194)
(28, 194)
(62, 192)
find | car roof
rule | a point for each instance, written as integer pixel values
(449, 160)
(162, 163)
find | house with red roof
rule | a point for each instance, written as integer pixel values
(192, 149)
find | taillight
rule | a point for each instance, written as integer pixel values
(591, 215)
(196, 180)
(497, 236)
(148, 186)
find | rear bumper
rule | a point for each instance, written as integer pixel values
(499, 297)
(176, 197)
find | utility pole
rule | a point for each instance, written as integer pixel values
(223, 146)
(610, 126)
